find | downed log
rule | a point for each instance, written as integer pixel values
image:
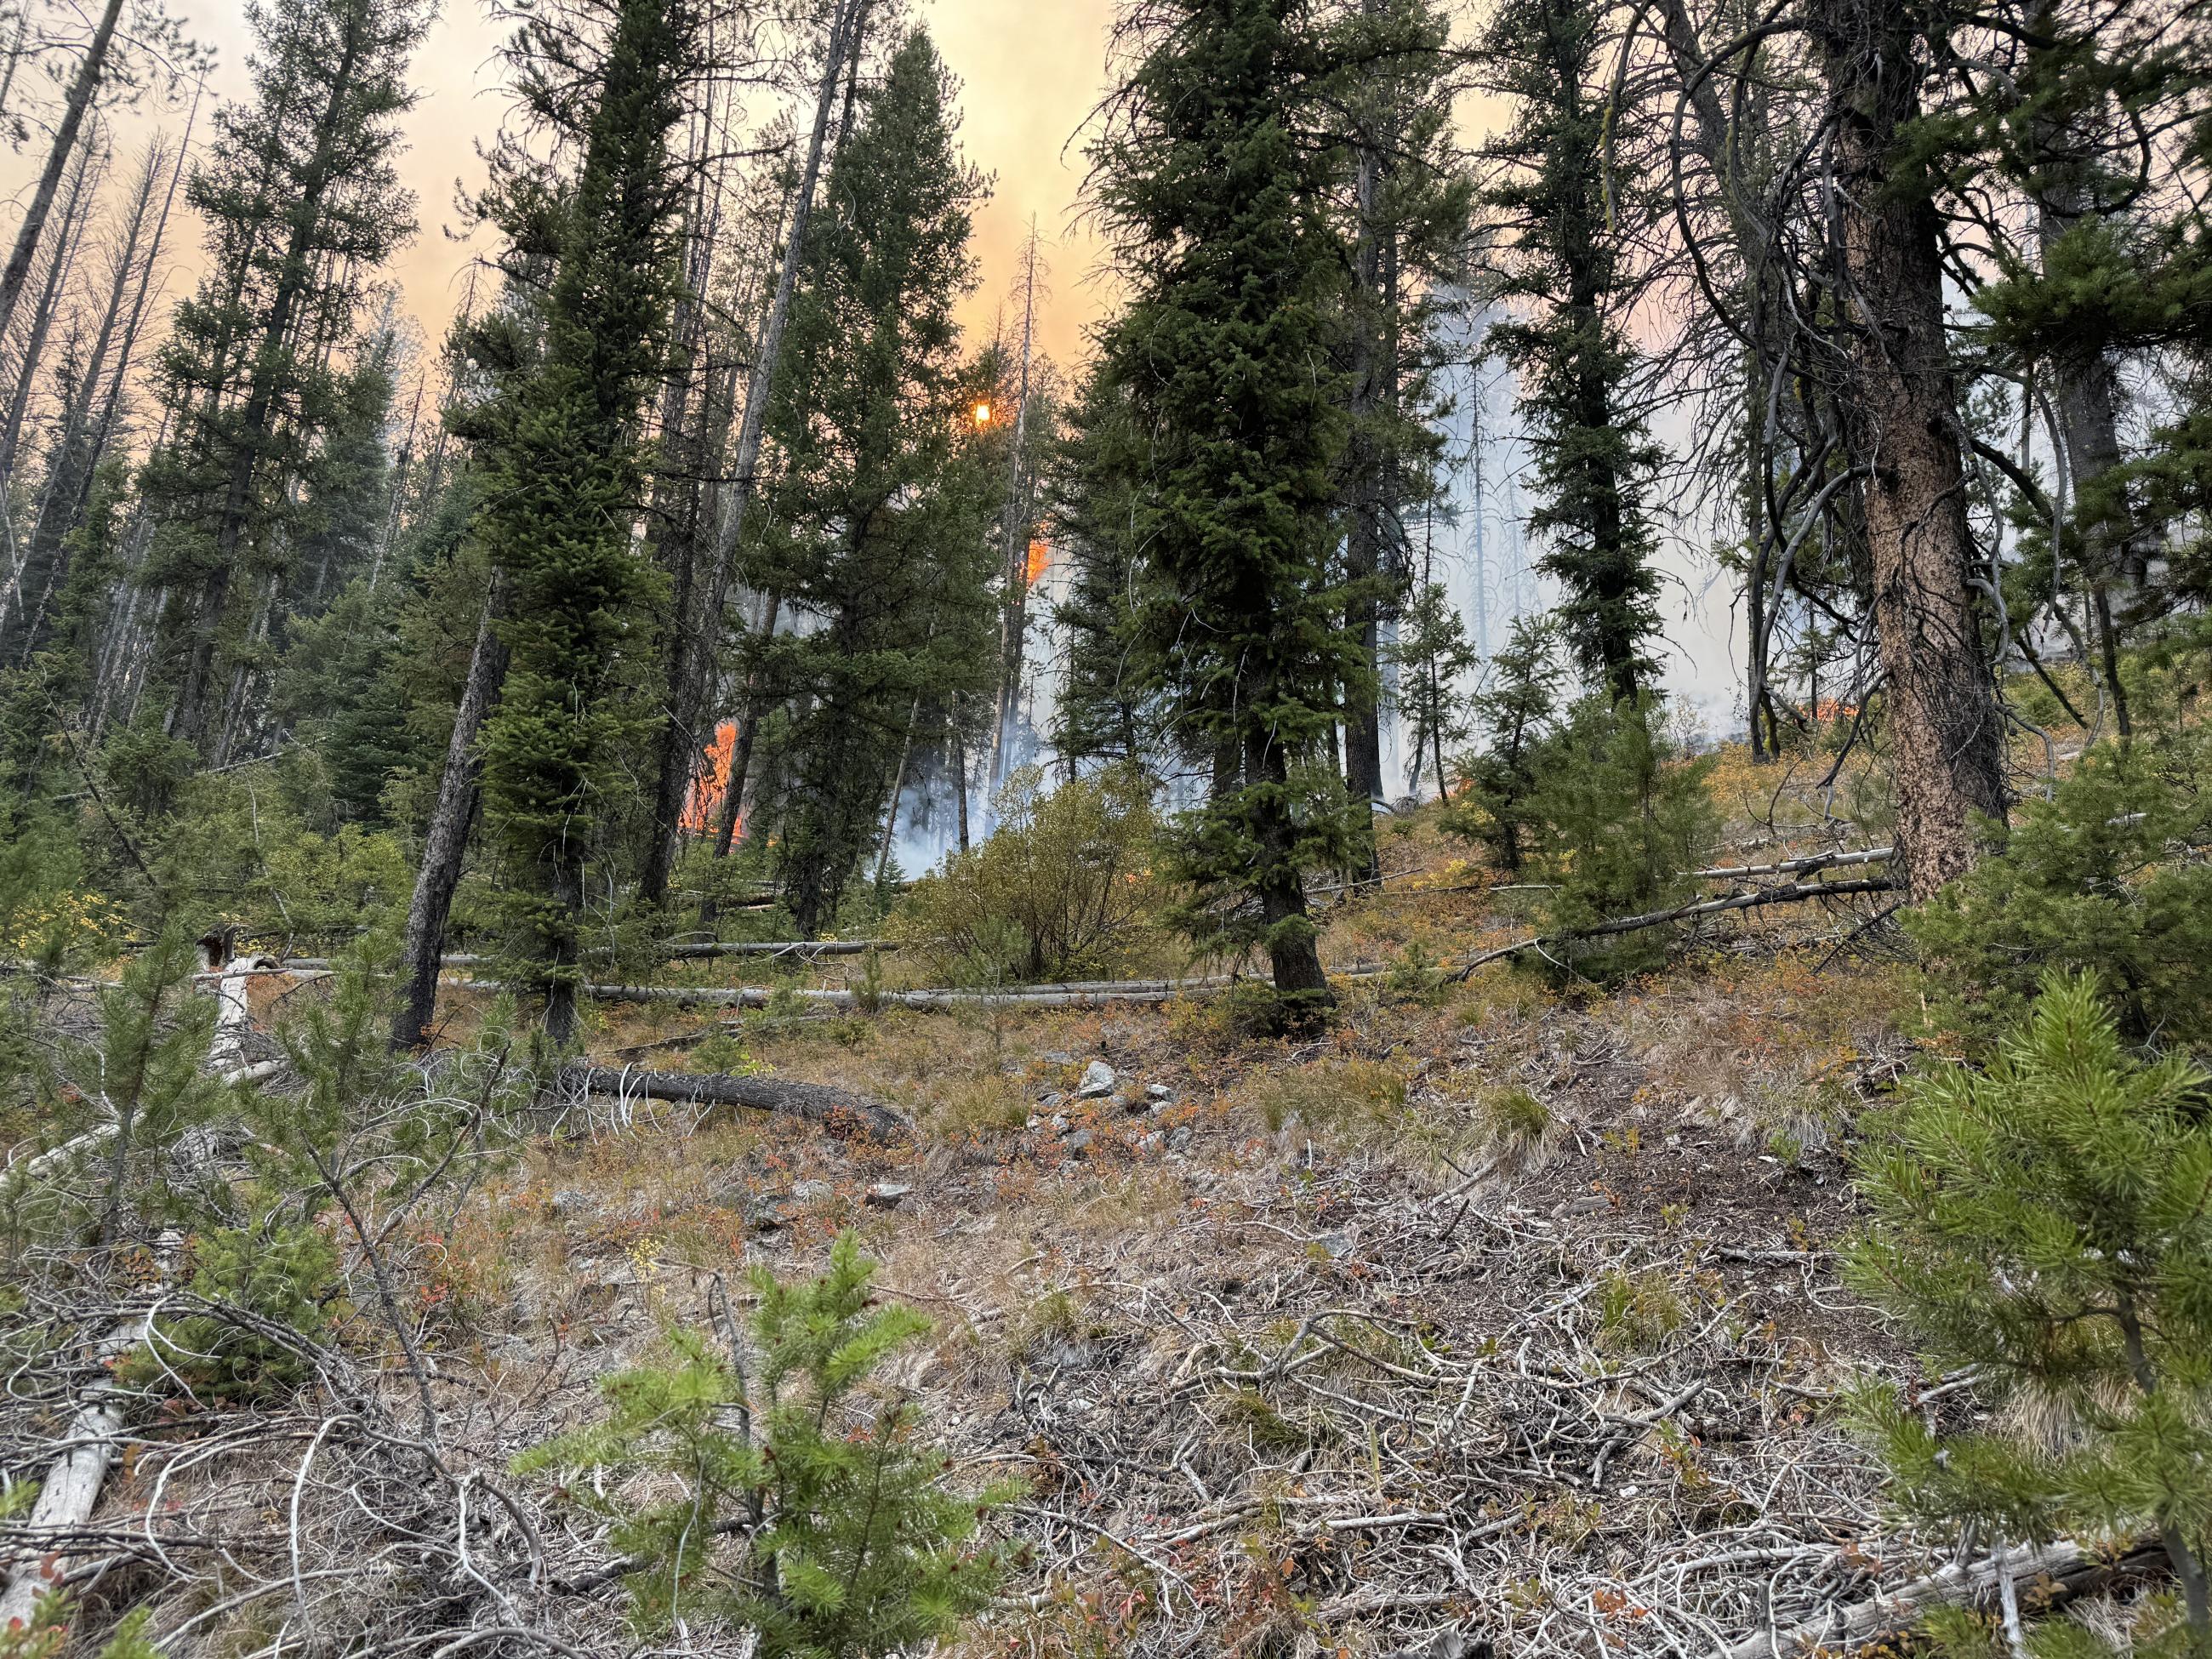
(1794, 892)
(838, 1109)
(71, 1490)
(1796, 866)
(2041, 1575)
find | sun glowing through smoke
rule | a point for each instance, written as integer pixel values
(983, 414)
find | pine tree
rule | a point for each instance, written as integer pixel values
(2041, 1226)
(1407, 233)
(1108, 707)
(563, 469)
(302, 203)
(1518, 709)
(853, 1546)
(881, 507)
(1224, 354)
(1562, 253)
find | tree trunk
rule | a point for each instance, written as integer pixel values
(448, 840)
(741, 765)
(68, 485)
(75, 211)
(1293, 952)
(838, 1109)
(87, 81)
(1902, 418)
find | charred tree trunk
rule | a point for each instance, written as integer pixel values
(74, 109)
(1945, 728)
(447, 839)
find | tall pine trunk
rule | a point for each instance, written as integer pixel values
(1945, 729)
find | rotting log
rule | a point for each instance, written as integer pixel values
(837, 1110)
(2041, 1575)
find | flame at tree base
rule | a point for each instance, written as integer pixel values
(710, 783)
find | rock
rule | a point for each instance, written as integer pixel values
(1149, 1145)
(1098, 1081)
(1338, 1245)
(1079, 1144)
(1179, 1138)
(1590, 1205)
(811, 1192)
(1051, 1100)
(887, 1195)
(1058, 1125)
(1160, 1092)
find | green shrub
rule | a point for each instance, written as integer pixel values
(845, 1541)
(281, 1274)
(1063, 888)
(1608, 820)
(2043, 1225)
(2098, 879)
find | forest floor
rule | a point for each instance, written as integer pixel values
(1502, 1313)
(1497, 1310)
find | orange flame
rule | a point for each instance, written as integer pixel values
(710, 783)
(983, 414)
(1040, 556)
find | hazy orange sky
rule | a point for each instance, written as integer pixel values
(1029, 71)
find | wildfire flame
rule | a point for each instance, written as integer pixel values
(983, 414)
(1040, 556)
(710, 782)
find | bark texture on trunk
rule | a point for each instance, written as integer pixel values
(1945, 727)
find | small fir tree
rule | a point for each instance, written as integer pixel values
(851, 1545)
(1518, 709)
(1617, 820)
(2093, 879)
(1431, 653)
(2043, 1224)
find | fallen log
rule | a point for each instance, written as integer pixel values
(71, 1489)
(1796, 866)
(1794, 892)
(2039, 1575)
(838, 1109)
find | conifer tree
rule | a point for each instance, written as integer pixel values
(1519, 709)
(1216, 206)
(1562, 254)
(302, 203)
(1108, 708)
(854, 1548)
(1406, 233)
(563, 466)
(2042, 1226)
(881, 507)
(1431, 654)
